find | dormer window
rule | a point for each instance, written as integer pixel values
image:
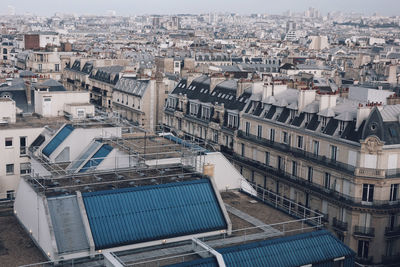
(193, 109)
(205, 112)
(324, 121)
(171, 102)
(341, 126)
(232, 121)
(308, 117)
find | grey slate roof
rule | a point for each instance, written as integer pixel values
(132, 86)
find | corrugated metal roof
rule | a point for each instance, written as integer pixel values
(67, 224)
(134, 215)
(57, 139)
(317, 248)
(308, 248)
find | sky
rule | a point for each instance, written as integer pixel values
(138, 7)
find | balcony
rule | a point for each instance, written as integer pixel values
(339, 225)
(297, 152)
(363, 231)
(391, 260)
(365, 260)
(391, 232)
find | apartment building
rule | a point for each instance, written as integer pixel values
(334, 155)
(48, 65)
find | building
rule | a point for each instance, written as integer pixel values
(315, 148)
(39, 40)
(190, 196)
(140, 101)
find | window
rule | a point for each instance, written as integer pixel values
(9, 169)
(316, 147)
(327, 182)
(285, 137)
(80, 113)
(394, 191)
(193, 109)
(272, 135)
(281, 163)
(299, 141)
(307, 200)
(9, 142)
(333, 152)
(205, 113)
(267, 158)
(232, 121)
(255, 152)
(40, 67)
(22, 145)
(56, 67)
(215, 136)
(259, 131)
(247, 128)
(294, 168)
(243, 150)
(10, 194)
(310, 173)
(362, 250)
(179, 124)
(25, 168)
(368, 192)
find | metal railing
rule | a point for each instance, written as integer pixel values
(392, 231)
(364, 231)
(288, 206)
(338, 224)
(281, 173)
(298, 152)
(337, 165)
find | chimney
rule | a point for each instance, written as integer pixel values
(392, 77)
(28, 92)
(327, 101)
(362, 114)
(215, 80)
(305, 97)
(242, 85)
(208, 169)
(191, 76)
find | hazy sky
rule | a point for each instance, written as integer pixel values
(128, 7)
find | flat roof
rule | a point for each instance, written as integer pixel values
(244, 213)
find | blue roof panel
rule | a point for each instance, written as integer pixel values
(57, 139)
(146, 213)
(97, 158)
(297, 250)
(318, 248)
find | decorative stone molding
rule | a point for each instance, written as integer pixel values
(372, 145)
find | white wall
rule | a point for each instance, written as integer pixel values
(11, 155)
(32, 214)
(52, 39)
(364, 95)
(55, 107)
(116, 159)
(226, 176)
(8, 110)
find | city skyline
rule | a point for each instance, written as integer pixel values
(124, 7)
